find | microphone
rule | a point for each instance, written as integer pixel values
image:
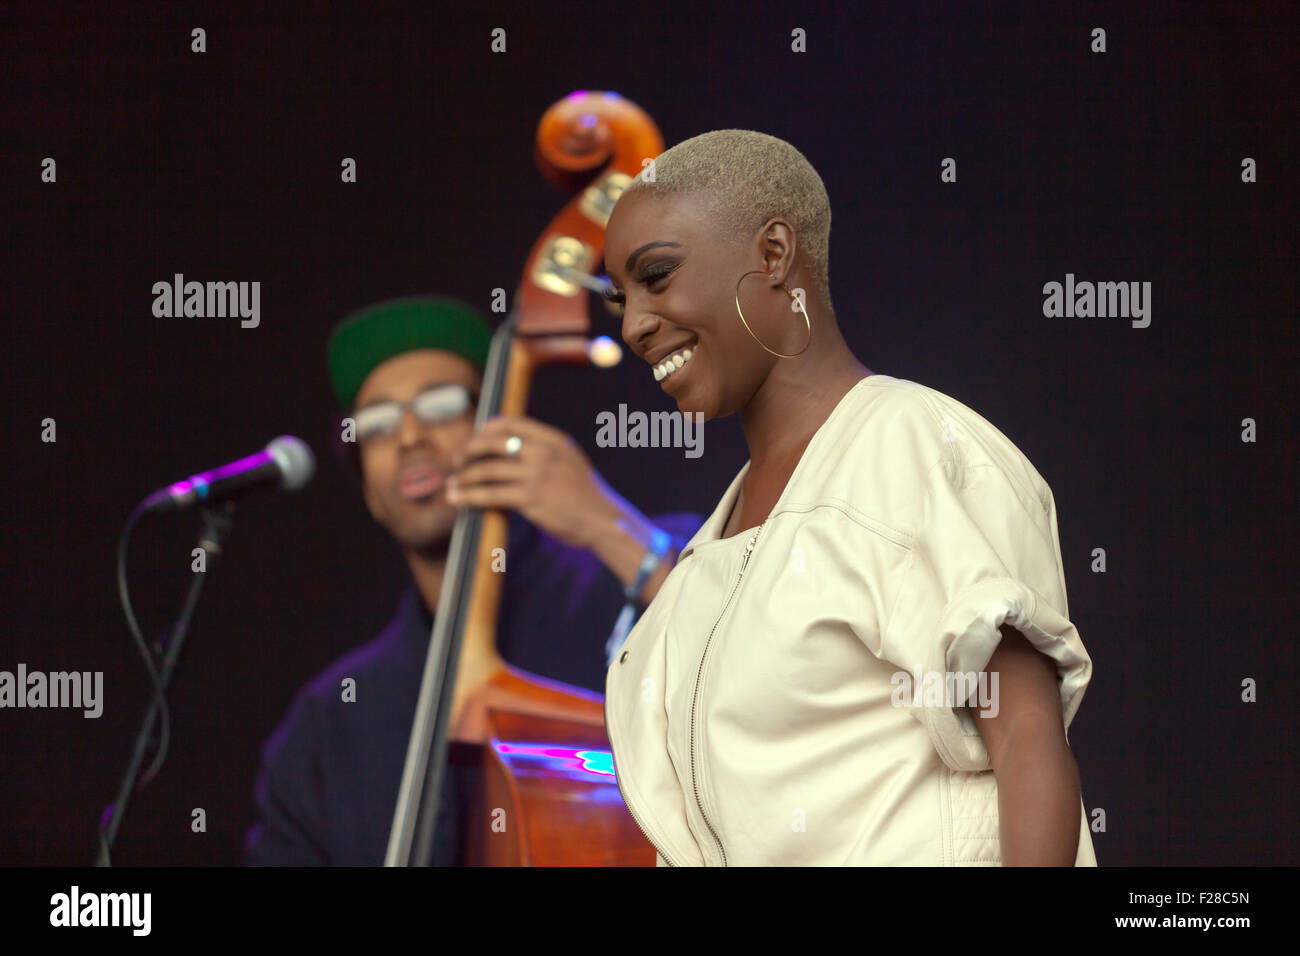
(286, 461)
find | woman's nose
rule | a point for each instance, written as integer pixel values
(638, 325)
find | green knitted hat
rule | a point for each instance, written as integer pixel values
(370, 336)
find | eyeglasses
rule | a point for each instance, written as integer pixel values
(433, 406)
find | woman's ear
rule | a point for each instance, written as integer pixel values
(778, 245)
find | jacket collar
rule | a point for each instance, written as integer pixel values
(712, 528)
(717, 522)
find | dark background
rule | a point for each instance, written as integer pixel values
(225, 166)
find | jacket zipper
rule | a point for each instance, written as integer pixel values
(635, 819)
(695, 783)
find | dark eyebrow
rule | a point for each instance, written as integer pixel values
(631, 260)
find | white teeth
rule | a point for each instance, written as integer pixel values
(671, 364)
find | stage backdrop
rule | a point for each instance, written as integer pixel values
(971, 158)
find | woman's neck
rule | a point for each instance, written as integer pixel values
(795, 400)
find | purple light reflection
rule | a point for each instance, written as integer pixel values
(580, 763)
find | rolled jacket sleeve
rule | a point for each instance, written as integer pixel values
(985, 553)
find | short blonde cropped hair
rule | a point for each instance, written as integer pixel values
(749, 178)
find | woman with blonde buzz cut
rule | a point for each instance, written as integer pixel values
(864, 656)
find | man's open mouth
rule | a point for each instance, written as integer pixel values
(419, 481)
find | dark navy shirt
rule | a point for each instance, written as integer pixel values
(330, 772)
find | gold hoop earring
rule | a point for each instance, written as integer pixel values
(802, 307)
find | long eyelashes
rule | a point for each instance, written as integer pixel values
(651, 276)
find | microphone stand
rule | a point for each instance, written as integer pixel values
(216, 525)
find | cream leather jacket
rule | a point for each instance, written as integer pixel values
(784, 699)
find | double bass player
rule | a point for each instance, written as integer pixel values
(408, 373)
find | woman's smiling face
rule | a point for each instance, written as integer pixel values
(676, 278)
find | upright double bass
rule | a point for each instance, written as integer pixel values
(547, 794)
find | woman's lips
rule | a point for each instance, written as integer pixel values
(419, 481)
